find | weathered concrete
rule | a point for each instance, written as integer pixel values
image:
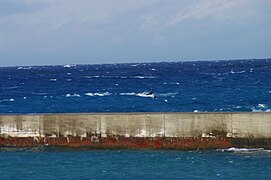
(138, 130)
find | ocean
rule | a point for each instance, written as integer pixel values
(198, 86)
(50, 163)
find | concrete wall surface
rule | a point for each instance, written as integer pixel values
(232, 125)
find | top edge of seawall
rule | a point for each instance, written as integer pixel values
(128, 113)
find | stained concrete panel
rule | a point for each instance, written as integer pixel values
(49, 125)
(30, 124)
(135, 125)
(213, 124)
(70, 124)
(8, 123)
(197, 124)
(252, 125)
(23, 126)
(155, 125)
(179, 125)
(113, 125)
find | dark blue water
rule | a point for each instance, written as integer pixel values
(81, 164)
(239, 85)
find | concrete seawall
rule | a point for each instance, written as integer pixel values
(138, 130)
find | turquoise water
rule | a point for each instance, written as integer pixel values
(49, 163)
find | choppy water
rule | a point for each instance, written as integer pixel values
(44, 163)
(239, 85)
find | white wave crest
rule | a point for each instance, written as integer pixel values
(89, 77)
(175, 83)
(10, 87)
(245, 150)
(261, 108)
(73, 95)
(98, 94)
(24, 67)
(89, 94)
(7, 100)
(237, 72)
(143, 94)
(128, 94)
(262, 105)
(52, 79)
(166, 94)
(142, 77)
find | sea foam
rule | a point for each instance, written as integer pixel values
(73, 95)
(98, 94)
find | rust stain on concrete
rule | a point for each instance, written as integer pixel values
(119, 142)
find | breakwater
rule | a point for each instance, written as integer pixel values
(138, 130)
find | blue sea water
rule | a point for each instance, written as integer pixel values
(236, 85)
(49, 163)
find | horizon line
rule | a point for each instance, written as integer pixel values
(153, 62)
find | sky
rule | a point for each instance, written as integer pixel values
(49, 32)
